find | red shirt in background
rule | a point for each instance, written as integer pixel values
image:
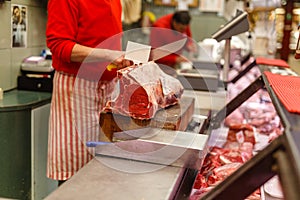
(83, 25)
(165, 35)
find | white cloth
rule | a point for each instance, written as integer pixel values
(131, 10)
(183, 5)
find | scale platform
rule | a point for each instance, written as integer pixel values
(158, 146)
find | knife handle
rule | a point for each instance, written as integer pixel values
(94, 144)
(111, 66)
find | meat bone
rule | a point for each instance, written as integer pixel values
(139, 54)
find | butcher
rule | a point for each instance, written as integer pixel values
(77, 35)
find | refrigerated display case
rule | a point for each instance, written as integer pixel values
(280, 157)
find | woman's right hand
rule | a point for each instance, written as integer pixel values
(121, 62)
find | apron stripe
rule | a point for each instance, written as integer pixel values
(74, 119)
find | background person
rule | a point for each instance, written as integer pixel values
(172, 27)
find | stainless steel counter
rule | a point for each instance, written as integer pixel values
(99, 181)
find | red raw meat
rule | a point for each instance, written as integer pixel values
(225, 170)
(241, 133)
(143, 90)
(205, 183)
(220, 163)
(200, 182)
(246, 150)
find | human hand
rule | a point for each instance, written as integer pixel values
(193, 48)
(118, 63)
(121, 62)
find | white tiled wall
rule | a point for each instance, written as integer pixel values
(11, 58)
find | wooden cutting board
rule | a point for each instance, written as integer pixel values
(176, 117)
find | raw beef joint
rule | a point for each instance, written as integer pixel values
(142, 90)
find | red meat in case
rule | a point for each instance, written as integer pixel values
(221, 162)
(143, 90)
(241, 133)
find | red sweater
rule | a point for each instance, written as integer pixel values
(165, 35)
(86, 22)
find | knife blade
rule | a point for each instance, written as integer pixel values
(167, 49)
(135, 51)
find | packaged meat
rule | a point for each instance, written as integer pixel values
(144, 89)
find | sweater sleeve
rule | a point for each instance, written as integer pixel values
(60, 30)
(169, 60)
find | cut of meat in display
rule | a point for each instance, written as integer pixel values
(142, 90)
(221, 162)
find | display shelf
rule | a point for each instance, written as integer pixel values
(280, 157)
(259, 61)
(237, 25)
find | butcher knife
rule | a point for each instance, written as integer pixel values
(140, 53)
(167, 49)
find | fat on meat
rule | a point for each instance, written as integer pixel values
(142, 90)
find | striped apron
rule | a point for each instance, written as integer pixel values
(74, 119)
